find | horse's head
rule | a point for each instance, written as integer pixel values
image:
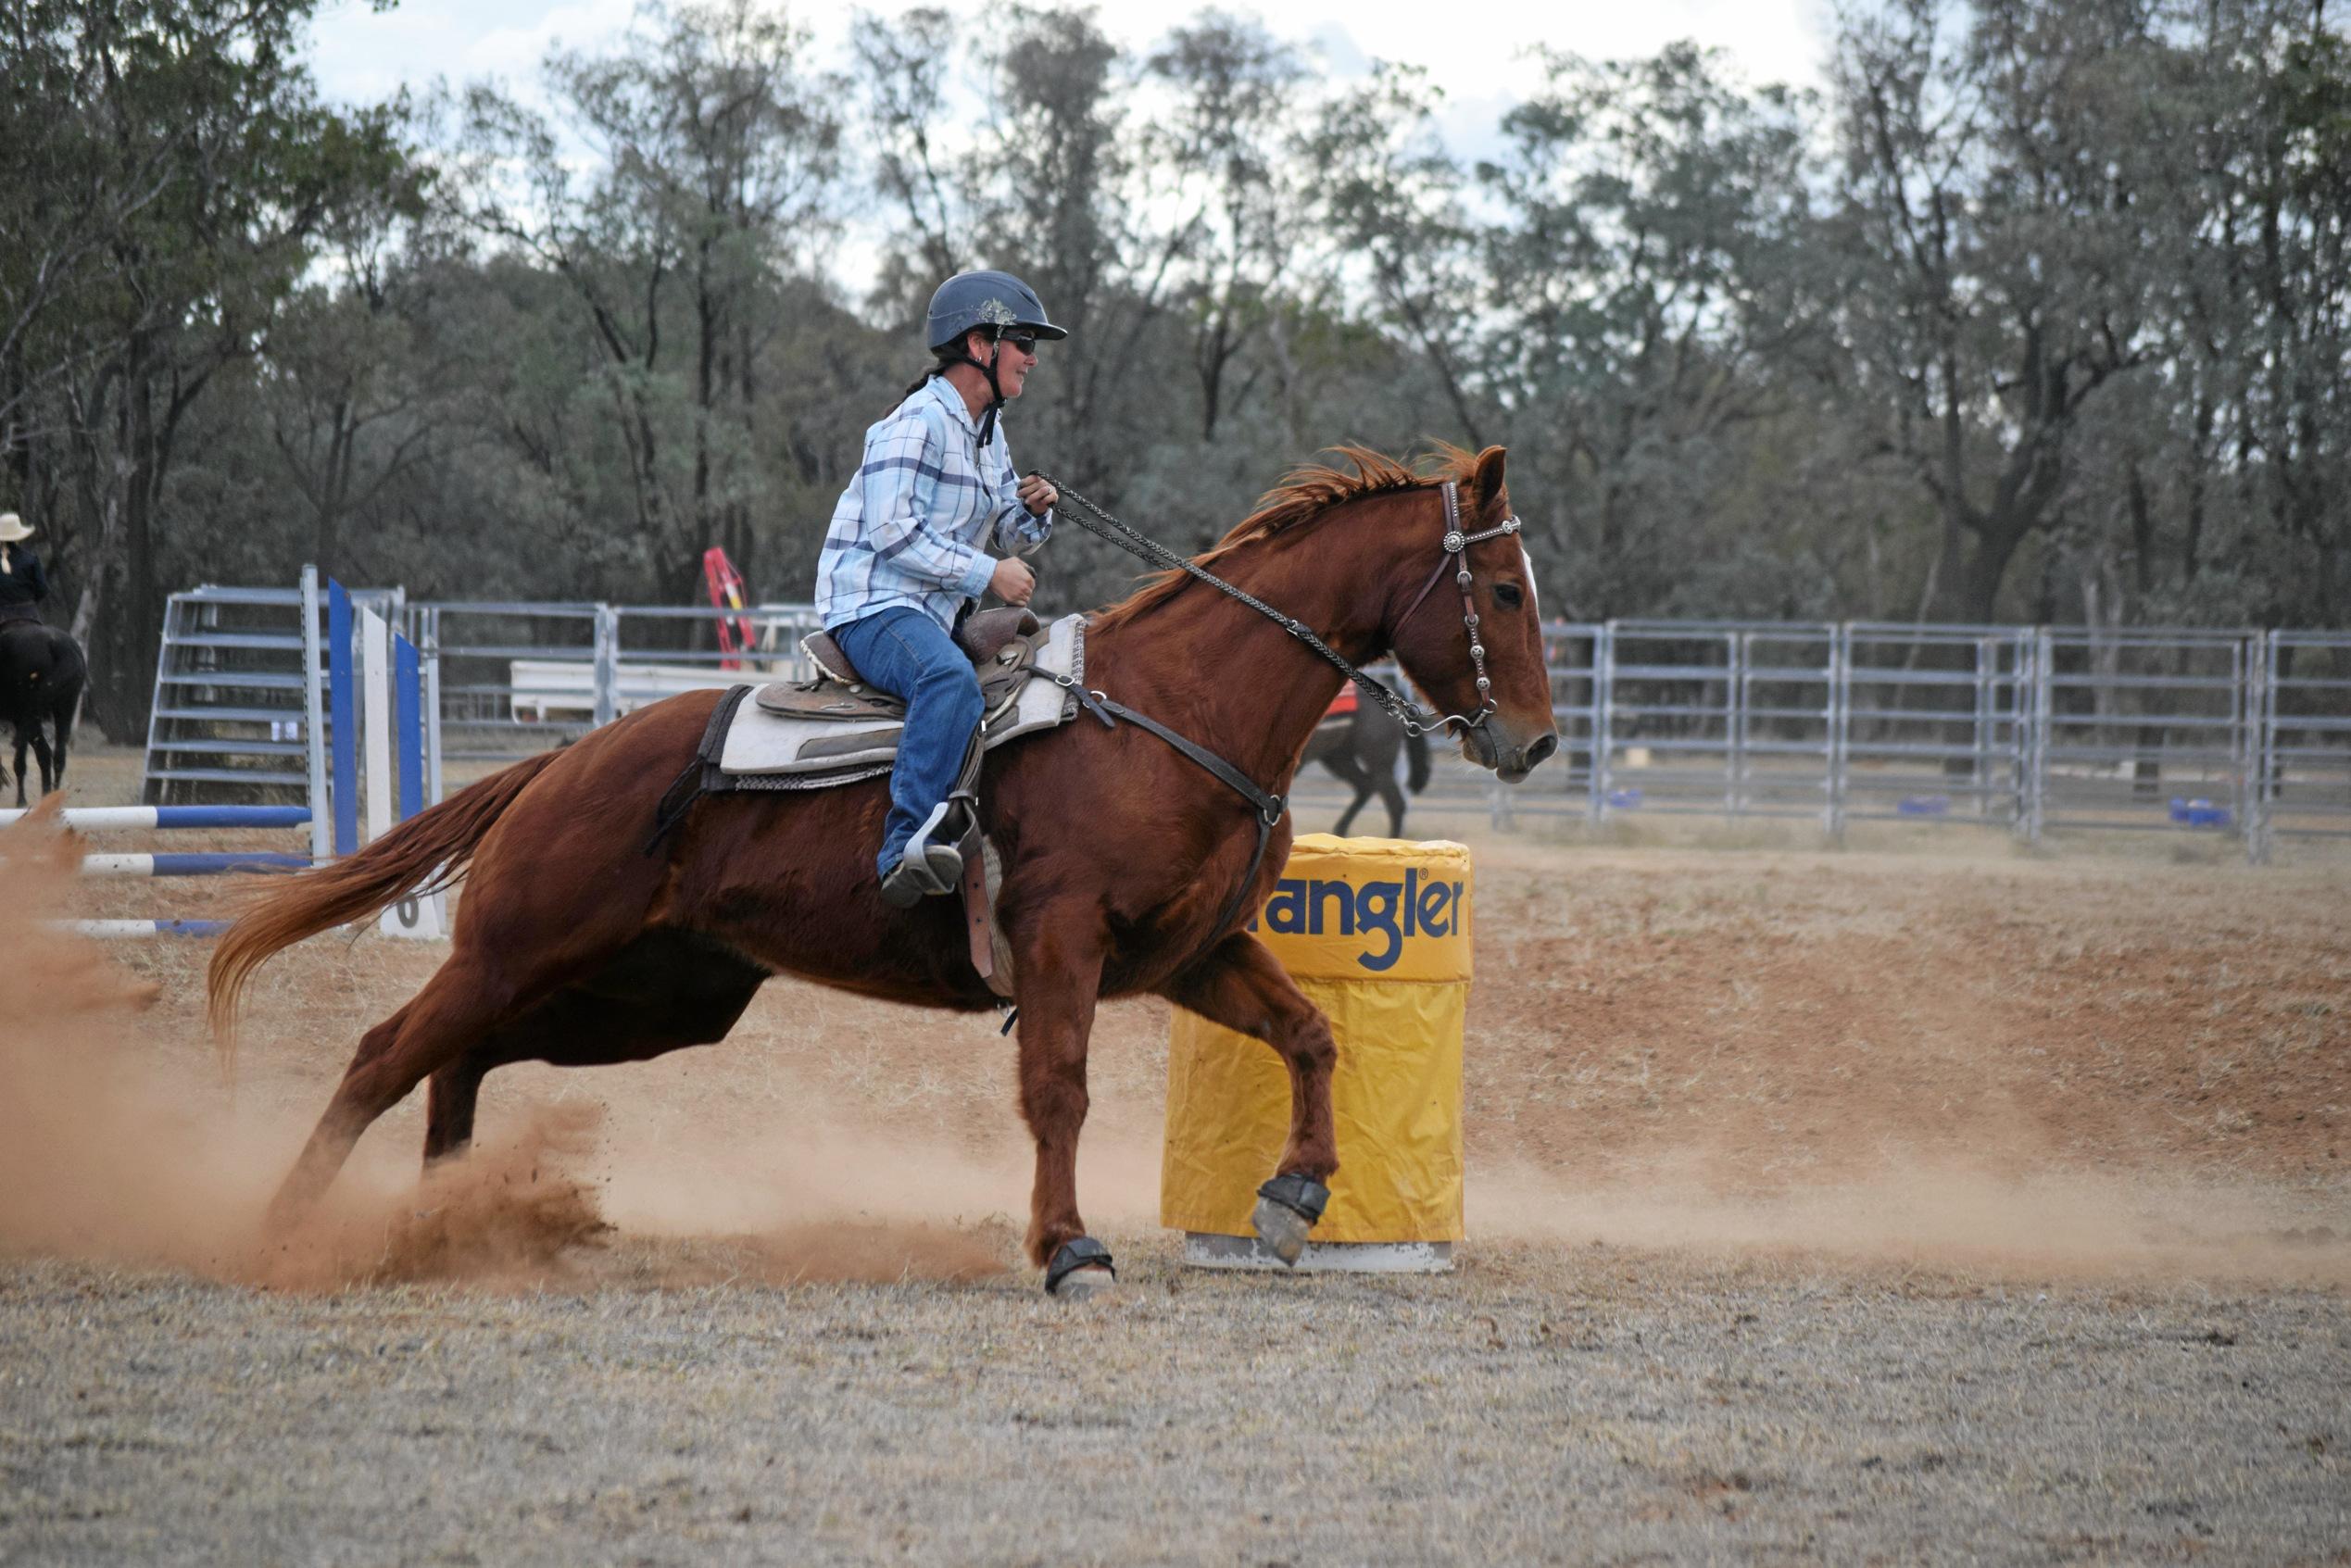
(1440, 635)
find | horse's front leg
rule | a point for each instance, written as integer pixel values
(1059, 962)
(1241, 986)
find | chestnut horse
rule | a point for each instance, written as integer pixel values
(575, 945)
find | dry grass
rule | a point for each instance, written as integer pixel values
(1905, 1205)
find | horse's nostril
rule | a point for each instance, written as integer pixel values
(1542, 749)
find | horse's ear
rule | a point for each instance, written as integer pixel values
(1486, 485)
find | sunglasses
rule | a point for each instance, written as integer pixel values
(1025, 342)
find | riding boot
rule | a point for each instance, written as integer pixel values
(933, 862)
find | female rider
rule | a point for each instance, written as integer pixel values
(22, 583)
(909, 553)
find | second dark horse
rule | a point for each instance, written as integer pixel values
(1361, 749)
(42, 677)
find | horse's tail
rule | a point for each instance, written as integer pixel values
(1416, 759)
(435, 846)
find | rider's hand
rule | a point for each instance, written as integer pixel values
(1037, 495)
(1012, 582)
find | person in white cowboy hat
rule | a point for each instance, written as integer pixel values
(22, 583)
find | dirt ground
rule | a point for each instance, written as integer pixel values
(1928, 1202)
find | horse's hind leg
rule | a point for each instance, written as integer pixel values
(1350, 772)
(1391, 794)
(1243, 986)
(20, 748)
(665, 992)
(450, 1096)
(456, 1008)
(42, 755)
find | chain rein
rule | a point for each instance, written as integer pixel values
(1416, 719)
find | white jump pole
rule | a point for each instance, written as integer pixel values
(425, 917)
(375, 708)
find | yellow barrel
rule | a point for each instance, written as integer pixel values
(1377, 932)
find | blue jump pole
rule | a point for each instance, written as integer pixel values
(161, 863)
(144, 927)
(100, 818)
(407, 729)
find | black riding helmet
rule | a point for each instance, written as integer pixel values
(992, 302)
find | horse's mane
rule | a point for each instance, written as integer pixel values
(1306, 492)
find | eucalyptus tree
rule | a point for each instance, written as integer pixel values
(1232, 193)
(170, 167)
(1994, 257)
(718, 162)
(356, 386)
(906, 68)
(2297, 214)
(1640, 299)
(1390, 195)
(1050, 177)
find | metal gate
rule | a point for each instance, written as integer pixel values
(2303, 720)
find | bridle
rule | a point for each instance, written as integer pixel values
(1416, 719)
(1456, 548)
(1268, 807)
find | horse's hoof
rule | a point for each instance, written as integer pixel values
(1282, 1229)
(1080, 1268)
(1287, 1210)
(1084, 1285)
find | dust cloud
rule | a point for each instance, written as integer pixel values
(1922, 1215)
(898, 1156)
(115, 1149)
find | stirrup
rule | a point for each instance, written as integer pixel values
(928, 869)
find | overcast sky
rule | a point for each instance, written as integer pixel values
(1475, 49)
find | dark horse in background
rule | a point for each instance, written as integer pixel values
(1361, 749)
(583, 940)
(42, 677)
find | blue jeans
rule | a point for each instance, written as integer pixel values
(910, 655)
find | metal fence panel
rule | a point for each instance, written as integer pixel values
(516, 678)
(230, 717)
(1933, 723)
(2304, 753)
(1727, 718)
(657, 651)
(2143, 728)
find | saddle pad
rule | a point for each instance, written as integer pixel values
(813, 753)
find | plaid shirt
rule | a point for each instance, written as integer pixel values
(911, 528)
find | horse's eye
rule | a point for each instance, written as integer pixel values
(1508, 596)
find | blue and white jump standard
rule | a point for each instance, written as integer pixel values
(369, 691)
